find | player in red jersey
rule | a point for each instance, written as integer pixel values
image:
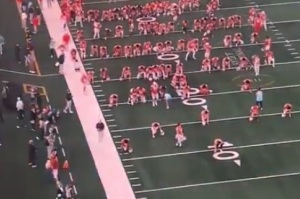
(204, 89)
(218, 145)
(156, 127)
(287, 110)
(154, 89)
(126, 74)
(267, 44)
(85, 81)
(227, 41)
(246, 85)
(113, 100)
(90, 75)
(215, 63)
(94, 51)
(205, 117)
(104, 74)
(254, 38)
(126, 146)
(226, 64)
(191, 49)
(180, 137)
(254, 113)
(270, 59)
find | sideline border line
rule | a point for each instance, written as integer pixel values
(106, 159)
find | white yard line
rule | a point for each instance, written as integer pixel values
(214, 48)
(221, 182)
(211, 150)
(223, 93)
(199, 71)
(198, 122)
(180, 31)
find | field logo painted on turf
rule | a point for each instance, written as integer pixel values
(227, 154)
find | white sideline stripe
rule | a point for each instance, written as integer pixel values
(180, 31)
(224, 93)
(198, 122)
(106, 158)
(199, 71)
(214, 48)
(211, 150)
(220, 182)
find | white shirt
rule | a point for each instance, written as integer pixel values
(24, 16)
(20, 105)
(259, 96)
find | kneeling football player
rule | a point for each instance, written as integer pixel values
(125, 145)
(218, 145)
(287, 110)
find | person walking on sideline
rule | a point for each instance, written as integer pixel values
(52, 48)
(31, 154)
(68, 107)
(100, 127)
(259, 95)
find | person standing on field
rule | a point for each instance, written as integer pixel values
(69, 102)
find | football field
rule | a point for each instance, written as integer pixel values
(260, 159)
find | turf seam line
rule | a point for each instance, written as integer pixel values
(199, 122)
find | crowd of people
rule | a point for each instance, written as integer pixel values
(35, 113)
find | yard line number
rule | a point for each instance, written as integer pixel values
(194, 101)
(227, 154)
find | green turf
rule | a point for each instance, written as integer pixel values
(159, 172)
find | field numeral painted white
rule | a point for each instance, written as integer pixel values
(194, 101)
(227, 154)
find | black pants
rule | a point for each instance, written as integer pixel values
(1, 116)
(52, 52)
(259, 103)
(32, 159)
(18, 57)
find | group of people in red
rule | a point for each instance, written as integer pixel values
(206, 25)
